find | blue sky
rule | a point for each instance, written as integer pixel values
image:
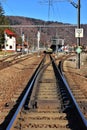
(40, 9)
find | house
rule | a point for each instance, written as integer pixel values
(10, 40)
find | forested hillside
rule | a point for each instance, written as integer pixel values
(63, 31)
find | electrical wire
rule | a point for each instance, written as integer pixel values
(51, 9)
(58, 15)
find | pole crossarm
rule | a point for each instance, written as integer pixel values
(73, 3)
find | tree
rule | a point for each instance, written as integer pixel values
(3, 21)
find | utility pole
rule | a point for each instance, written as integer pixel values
(78, 39)
(23, 39)
(78, 26)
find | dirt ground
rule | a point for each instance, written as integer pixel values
(15, 77)
(74, 75)
(18, 75)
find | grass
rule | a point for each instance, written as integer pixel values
(5, 53)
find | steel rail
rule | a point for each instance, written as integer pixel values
(9, 126)
(82, 118)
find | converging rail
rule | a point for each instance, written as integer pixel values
(47, 103)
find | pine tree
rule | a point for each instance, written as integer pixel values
(3, 21)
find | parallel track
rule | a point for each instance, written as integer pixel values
(13, 59)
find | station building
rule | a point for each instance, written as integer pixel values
(10, 40)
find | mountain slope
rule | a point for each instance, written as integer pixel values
(64, 31)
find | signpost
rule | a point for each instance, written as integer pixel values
(79, 32)
(78, 35)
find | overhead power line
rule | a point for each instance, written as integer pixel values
(42, 26)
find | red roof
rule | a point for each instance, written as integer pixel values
(9, 32)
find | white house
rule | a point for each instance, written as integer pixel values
(10, 40)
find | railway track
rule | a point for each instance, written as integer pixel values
(13, 80)
(13, 59)
(46, 104)
(78, 92)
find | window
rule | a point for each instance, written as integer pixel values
(10, 47)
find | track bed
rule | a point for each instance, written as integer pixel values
(44, 106)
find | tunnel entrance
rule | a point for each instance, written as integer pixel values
(56, 47)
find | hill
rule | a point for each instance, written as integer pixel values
(65, 31)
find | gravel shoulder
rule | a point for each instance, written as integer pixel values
(13, 80)
(74, 76)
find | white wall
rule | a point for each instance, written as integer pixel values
(10, 43)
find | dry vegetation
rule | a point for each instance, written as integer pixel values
(67, 33)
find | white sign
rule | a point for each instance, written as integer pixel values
(79, 32)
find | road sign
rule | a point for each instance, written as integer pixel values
(78, 50)
(79, 32)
